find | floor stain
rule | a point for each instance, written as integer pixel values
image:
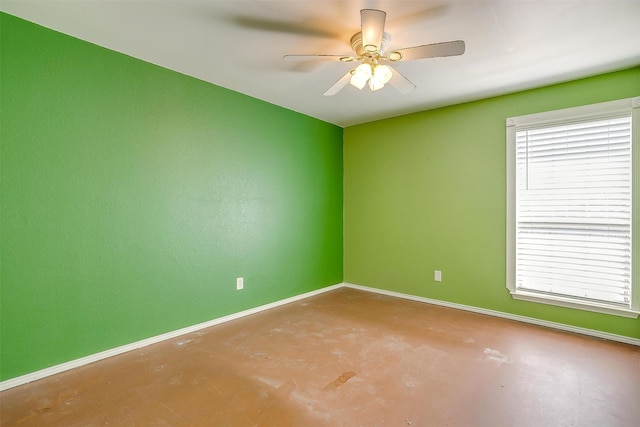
(185, 341)
(496, 356)
(346, 376)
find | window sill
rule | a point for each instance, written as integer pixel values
(569, 303)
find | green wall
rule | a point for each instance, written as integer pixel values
(133, 196)
(427, 191)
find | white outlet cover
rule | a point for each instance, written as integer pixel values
(239, 283)
(437, 276)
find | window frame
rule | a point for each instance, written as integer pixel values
(549, 118)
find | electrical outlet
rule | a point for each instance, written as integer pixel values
(239, 283)
(437, 276)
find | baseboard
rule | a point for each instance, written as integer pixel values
(553, 325)
(43, 373)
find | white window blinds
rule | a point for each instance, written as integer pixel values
(573, 210)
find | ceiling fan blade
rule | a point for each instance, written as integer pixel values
(431, 50)
(339, 85)
(372, 26)
(400, 82)
(285, 27)
(343, 58)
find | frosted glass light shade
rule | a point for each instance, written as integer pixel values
(382, 73)
(375, 85)
(361, 74)
(364, 71)
(357, 82)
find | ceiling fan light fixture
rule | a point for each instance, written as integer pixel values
(376, 76)
(347, 59)
(361, 74)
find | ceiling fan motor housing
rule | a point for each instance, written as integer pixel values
(356, 44)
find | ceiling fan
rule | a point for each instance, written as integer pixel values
(370, 47)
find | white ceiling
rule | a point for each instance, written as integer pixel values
(239, 44)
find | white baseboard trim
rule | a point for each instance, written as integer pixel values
(33, 376)
(545, 323)
(43, 373)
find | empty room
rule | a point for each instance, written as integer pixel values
(319, 213)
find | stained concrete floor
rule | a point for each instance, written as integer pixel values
(348, 358)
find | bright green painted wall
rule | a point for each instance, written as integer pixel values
(426, 192)
(133, 196)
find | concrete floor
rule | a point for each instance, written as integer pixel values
(348, 358)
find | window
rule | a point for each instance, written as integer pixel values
(572, 207)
